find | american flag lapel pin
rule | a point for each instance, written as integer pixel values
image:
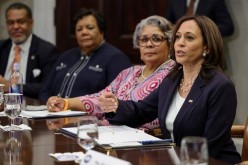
(190, 101)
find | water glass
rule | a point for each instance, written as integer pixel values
(12, 150)
(194, 151)
(1, 95)
(87, 132)
(12, 108)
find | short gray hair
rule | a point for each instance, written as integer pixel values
(162, 23)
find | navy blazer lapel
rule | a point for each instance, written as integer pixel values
(189, 105)
(31, 57)
(201, 6)
(171, 88)
(181, 9)
(5, 56)
(164, 105)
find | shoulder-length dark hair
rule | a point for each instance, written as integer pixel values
(212, 39)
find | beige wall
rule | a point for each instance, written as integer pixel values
(237, 55)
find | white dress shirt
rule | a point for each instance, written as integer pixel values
(175, 106)
(24, 59)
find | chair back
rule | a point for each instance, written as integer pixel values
(241, 131)
(245, 143)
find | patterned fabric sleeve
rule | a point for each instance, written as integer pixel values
(91, 103)
(127, 86)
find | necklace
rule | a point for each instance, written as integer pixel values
(186, 86)
(142, 72)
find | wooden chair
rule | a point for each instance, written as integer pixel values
(241, 131)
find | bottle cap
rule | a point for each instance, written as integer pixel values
(16, 66)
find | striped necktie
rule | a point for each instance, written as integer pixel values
(17, 57)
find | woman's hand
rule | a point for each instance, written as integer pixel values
(108, 102)
(55, 104)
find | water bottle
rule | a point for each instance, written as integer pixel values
(16, 80)
(16, 83)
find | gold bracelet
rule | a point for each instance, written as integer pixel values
(66, 104)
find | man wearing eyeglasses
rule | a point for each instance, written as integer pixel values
(35, 56)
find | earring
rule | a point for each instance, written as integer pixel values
(204, 54)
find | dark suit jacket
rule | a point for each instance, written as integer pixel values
(42, 56)
(214, 9)
(208, 111)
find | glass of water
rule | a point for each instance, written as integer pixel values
(87, 132)
(12, 150)
(1, 94)
(194, 151)
(12, 108)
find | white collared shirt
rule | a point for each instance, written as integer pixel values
(24, 59)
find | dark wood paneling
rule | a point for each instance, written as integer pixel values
(121, 17)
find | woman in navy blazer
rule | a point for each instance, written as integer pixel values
(196, 99)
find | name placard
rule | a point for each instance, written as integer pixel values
(96, 158)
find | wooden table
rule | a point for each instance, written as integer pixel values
(33, 147)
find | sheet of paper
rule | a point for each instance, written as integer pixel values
(121, 134)
(118, 135)
(96, 158)
(22, 127)
(36, 108)
(2, 114)
(68, 156)
(46, 113)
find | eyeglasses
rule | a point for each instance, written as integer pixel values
(156, 40)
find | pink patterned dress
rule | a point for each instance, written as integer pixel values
(127, 86)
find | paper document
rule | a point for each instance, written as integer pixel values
(47, 114)
(120, 136)
(36, 108)
(67, 156)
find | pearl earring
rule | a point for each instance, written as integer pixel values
(204, 54)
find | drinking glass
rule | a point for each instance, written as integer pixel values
(194, 151)
(87, 132)
(1, 93)
(12, 108)
(12, 150)
(1, 97)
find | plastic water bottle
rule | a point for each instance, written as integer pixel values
(16, 83)
(16, 80)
